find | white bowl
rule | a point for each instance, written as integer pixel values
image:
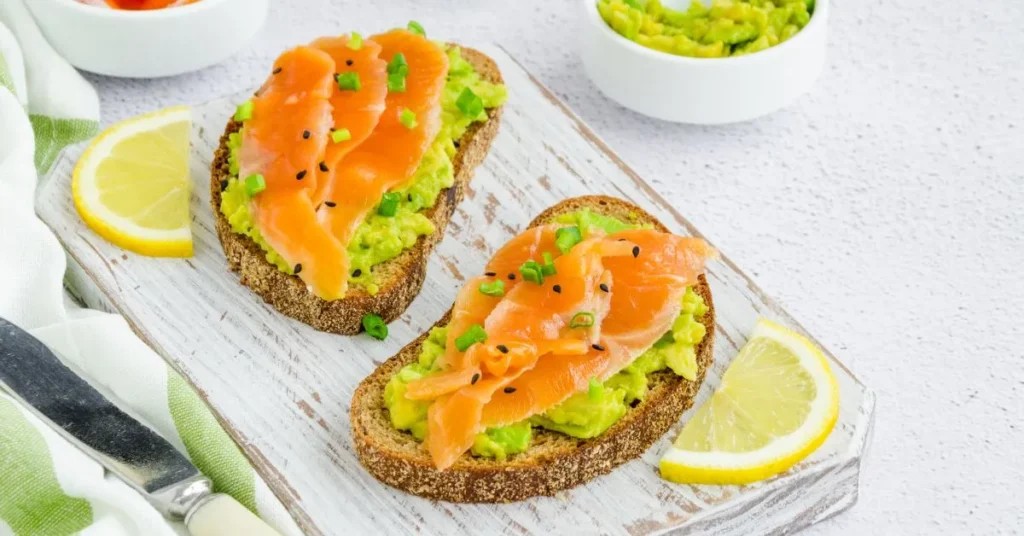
(147, 44)
(705, 91)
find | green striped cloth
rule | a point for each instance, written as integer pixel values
(47, 486)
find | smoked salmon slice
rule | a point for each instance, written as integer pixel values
(390, 155)
(284, 141)
(630, 283)
(354, 112)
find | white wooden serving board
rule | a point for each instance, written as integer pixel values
(282, 389)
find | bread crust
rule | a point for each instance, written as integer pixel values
(400, 278)
(554, 461)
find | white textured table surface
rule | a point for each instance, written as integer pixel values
(885, 211)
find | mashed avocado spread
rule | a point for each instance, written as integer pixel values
(381, 238)
(726, 28)
(584, 415)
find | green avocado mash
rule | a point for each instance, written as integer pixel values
(727, 28)
(381, 238)
(584, 415)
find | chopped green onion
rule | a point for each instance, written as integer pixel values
(388, 204)
(398, 65)
(634, 4)
(494, 288)
(532, 271)
(340, 135)
(396, 82)
(255, 184)
(355, 41)
(469, 103)
(595, 390)
(548, 269)
(567, 237)
(349, 81)
(417, 28)
(473, 335)
(408, 118)
(375, 326)
(582, 320)
(244, 111)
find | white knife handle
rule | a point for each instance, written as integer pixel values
(221, 515)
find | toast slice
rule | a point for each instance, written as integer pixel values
(554, 461)
(400, 278)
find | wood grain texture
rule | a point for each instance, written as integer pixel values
(282, 389)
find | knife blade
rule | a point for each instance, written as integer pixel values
(33, 375)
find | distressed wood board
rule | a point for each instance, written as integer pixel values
(282, 389)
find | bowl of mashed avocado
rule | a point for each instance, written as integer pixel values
(704, 61)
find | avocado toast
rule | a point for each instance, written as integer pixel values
(375, 194)
(554, 412)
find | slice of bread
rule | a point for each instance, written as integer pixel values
(400, 278)
(554, 461)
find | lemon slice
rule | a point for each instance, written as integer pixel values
(132, 184)
(777, 403)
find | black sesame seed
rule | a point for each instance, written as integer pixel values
(277, 71)
(357, 272)
(306, 134)
(298, 268)
(323, 167)
(349, 62)
(603, 287)
(330, 204)
(621, 240)
(511, 276)
(490, 274)
(223, 185)
(502, 348)
(597, 347)
(636, 251)
(509, 390)
(476, 378)
(301, 175)
(457, 144)
(557, 288)
(409, 198)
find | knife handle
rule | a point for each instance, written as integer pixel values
(221, 515)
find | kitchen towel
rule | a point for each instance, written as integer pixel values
(47, 486)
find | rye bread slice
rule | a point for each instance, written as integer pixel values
(400, 278)
(554, 461)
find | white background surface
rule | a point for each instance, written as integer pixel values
(884, 211)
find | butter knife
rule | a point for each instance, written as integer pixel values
(37, 378)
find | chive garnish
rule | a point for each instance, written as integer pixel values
(375, 326)
(417, 28)
(398, 65)
(595, 390)
(255, 184)
(355, 41)
(349, 81)
(493, 288)
(244, 111)
(469, 103)
(473, 335)
(408, 118)
(396, 83)
(532, 271)
(340, 135)
(567, 237)
(582, 320)
(548, 268)
(388, 204)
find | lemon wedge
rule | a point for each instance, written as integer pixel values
(132, 184)
(777, 403)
